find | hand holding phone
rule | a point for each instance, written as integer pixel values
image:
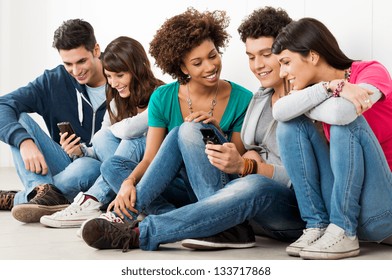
(209, 136)
(66, 127)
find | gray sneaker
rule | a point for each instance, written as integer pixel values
(309, 236)
(333, 245)
(75, 214)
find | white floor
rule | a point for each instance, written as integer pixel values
(35, 242)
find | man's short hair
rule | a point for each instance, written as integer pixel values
(73, 34)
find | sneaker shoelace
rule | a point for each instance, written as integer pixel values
(72, 209)
(329, 239)
(121, 235)
(310, 234)
(40, 190)
(6, 200)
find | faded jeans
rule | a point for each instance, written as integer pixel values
(62, 171)
(221, 203)
(347, 183)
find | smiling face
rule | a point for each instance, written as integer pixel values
(300, 71)
(119, 81)
(262, 62)
(203, 63)
(83, 65)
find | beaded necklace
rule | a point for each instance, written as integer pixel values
(213, 101)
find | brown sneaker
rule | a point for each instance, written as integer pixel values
(45, 200)
(101, 233)
(7, 200)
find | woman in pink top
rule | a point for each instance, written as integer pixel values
(343, 186)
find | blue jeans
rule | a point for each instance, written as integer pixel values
(165, 168)
(62, 172)
(105, 145)
(348, 183)
(267, 204)
(220, 204)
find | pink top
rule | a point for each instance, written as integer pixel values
(379, 116)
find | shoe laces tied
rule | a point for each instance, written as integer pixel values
(329, 240)
(6, 199)
(40, 191)
(123, 235)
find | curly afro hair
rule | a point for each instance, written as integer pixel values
(266, 22)
(181, 33)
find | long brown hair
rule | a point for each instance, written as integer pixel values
(125, 54)
(309, 34)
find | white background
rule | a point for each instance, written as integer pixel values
(362, 27)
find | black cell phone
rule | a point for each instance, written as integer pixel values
(66, 127)
(209, 136)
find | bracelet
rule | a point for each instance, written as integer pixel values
(338, 89)
(250, 167)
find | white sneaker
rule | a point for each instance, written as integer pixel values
(74, 215)
(333, 245)
(309, 236)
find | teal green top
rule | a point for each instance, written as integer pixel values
(164, 108)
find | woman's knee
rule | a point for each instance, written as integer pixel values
(109, 166)
(190, 131)
(101, 137)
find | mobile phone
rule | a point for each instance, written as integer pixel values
(209, 136)
(66, 127)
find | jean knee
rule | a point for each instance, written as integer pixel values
(108, 167)
(101, 137)
(190, 131)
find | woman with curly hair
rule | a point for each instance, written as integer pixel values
(187, 47)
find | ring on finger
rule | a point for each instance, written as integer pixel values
(367, 101)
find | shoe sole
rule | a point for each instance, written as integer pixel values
(32, 213)
(61, 224)
(205, 245)
(293, 251)
(310, 255)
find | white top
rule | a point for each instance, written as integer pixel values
(317, 104)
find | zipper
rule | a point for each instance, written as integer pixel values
(93, 119)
